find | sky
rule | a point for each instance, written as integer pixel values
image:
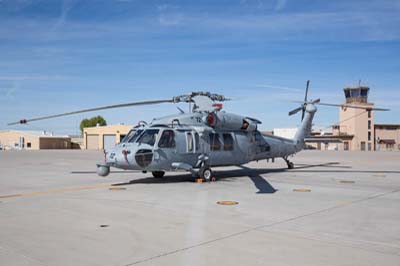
(64, 55)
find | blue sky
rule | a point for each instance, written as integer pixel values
(60, 56)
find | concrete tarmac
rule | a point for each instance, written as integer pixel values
(334, 208)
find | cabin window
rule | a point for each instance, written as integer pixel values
(197, 140)
(215, 143)
(265, 147)
(148, 137)
(189, 139)
(259, 137)
(228, 142)
(167, 139)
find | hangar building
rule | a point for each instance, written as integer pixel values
(33, 140)
(104, 137)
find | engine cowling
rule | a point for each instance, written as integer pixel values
(227, 121)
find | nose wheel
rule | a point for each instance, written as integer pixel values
(103, 170)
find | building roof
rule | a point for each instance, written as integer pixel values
(388, 125)
(37, 133)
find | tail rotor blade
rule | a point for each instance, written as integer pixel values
(306, 95)
(316, 101)
(294, 111)
(303, 111)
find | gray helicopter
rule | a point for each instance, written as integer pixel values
(198, 141)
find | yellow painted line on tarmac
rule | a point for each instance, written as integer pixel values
(301, 190)
(344, 203)
(347, 181)
(62, 190)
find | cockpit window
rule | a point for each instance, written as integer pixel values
(128, 136)
(133, 137)
(167, 139)
(148, 137)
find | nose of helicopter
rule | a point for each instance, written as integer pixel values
(129, 157)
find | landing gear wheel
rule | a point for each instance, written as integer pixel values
(158, 174)
(206, 174)
(290, 165)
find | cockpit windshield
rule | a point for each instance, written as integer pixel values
(148, 137)
(128, 136)
(133, 137)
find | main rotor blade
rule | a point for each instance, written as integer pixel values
(294, 111)
(306, 95)
(24, 121)
(355, 107)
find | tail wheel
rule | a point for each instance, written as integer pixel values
(158, 174)
(206, 174)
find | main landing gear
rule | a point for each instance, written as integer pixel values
(290, 164)
(158, 174)
(205, 173)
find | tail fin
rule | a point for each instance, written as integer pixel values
(305, 128)
(308, 110)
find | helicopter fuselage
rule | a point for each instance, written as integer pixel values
(169, 145)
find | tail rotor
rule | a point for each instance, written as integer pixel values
(303, 105)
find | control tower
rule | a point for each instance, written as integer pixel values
(358, 123)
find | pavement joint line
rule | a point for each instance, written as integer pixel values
(257, 228)
(331, 242)
(61, 190)
(17, 252)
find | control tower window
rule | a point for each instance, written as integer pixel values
(148, 137)
(364, 92)
(347, 93)
(355, 93)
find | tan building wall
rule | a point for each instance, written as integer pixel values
(93, 137)
(387, 137)
(360, 124)
(10, 139)
(54, 143)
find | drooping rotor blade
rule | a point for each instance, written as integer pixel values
(355, 107)
(24, 121)
(294, 111)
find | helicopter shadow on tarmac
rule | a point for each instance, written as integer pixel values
(255, 175)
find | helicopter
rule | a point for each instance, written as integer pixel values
(205, 138)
